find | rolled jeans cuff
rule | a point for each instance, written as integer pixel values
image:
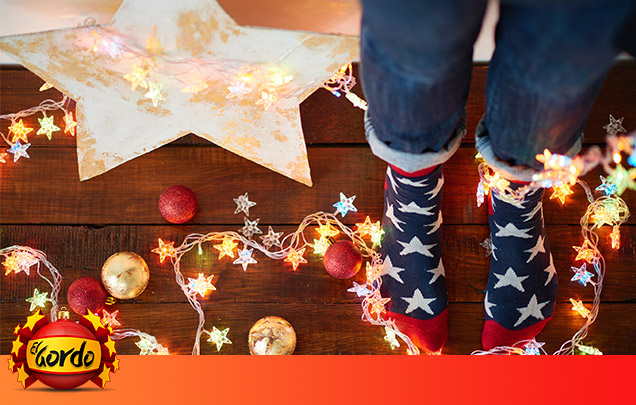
(412, 162)
(520, 173)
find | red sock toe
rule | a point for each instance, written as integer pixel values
(495, 335)
(429, 335)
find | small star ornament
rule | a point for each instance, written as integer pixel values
(391, 336)
(615, 126)
(327, 231)
(226, 248)
(243, 204)
(582, 275)
(320, 246)
(18, 150)
(245, 258)
(47, 127)
(585, 252)
(200, 285)
(580, 308)
(19, 131)
(137, 77)
(487, 244)
(2, 156)
(560, 192)
(146, 346)
(295, 257)
(272, 238)
(345, 205)
(165, 250)
(19, 261)
(365, 227)
(607, 187)
(219, 337)
(360, 290)
(38, 300)
(155, 93)
(250, 228)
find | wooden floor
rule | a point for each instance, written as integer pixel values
(79, 225)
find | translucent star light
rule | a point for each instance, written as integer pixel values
(589, 350)
(364, 228)
(327, 231)
(226, 248)
(580, 308)
(266, 100)
(558, 169)
(357, 101)
(615, 126)
(372, 272)
(238, 90)
(345, 205)
(137, 77)
(615, 237)
(47, 127)
(271, 239)
(295, 257)
(582, 275)
(19, 261)
(481, 193)
(19, 131)
(390, 336)
(38, 300)
(621, 178)
(487, 244)
(165, 250)
(2, 156)
(607, 187)
(200, 285)
(377, 233)
(585, 252)
(146, 346)
(18, 150)
(532, 348)
(219, 337)
(560, 192)
(45, 86)
(195, 88)
(250, 228)
(360, 290)
(320, 246)
(69, 123)
(245, 258)
(110, 319)
(377, 303)
(155, 93)
(243, 204)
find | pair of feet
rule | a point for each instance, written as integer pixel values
(522, 284)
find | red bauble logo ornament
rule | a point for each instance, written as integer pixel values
(63, 354)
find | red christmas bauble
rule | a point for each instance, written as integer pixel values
(342, 259)
(86, 293)
(64, 354)
(177, 204)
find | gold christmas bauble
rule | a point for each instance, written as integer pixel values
(125, 275)
(272, 336)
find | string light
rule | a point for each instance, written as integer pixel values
(155, 93)
(391, 337)
(615, 126)
(200, 285)
(295, 257)
(244, 204)
(245, 258)
(38, 300)
(272, 238)
(345, 205)
(615, 237)
(226, 248)
(110, 319)
(18, 150)
(219, 337)
(250, 228)
(589, 350)
(360, 290)
(580, 308)
(377, 233)
(560, 192)
(582, 275)
(327, 231)
(2, 156)
(47, 127)
(165, 250)
(19, 261)
(585, 252)
(69, 123)
(137, 77)
(365, 228)
(320, 246)
(19, 131)
(533, 348)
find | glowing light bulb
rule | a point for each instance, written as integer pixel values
(580, 308)
(226, 248)
(589, 350)
(377, 233)
(377, 304)
(391, 337)
(47, 127)
(238, 89)
(19, 261)
(137, 77)
(582, 275)
(295, 257)
(200, 285)
(345, 205)
(532, 348)
(250, 228)
(165, 250)
(18, 150)
(38, 300)
(360, 290)
(244, 204)
(606, 187)
(155, 93)
(219, 337)
(320, 246)
(245, 258)
(2, 156)
(585, 252)
(364, 228)
(69, 123)
(146, 346)
(19, 131)
(615, 237)
(110, 319)
(272, 238)
(560, 192)
(327, 231)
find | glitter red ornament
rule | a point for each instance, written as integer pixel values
(342, 259)
(177, 204)
(86, 293)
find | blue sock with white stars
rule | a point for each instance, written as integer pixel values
(522, 286)
(412, 271)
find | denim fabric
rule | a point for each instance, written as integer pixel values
(549, 63)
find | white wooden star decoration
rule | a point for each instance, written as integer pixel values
(191, 53)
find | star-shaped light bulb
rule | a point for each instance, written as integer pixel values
(557, 169)
(245, 258)
(200, 285)
(582, 275)
(487, 244)
(155, 93)
(219, 337)
(165, 250)
(589, 350)
(295, 257)
(250, 228)
(146, 346)
(19, 131)
(267, 99)
(18, 150)
(320, 246)
(327, 231)
(604, 214)
(615, 237)
(69, 123)
(272, 238)
(345, 205)
(226, 248)
(195, 88)
(110, 319)
(372, 272)
(38, 300)
(19, 261)
(580, 308)
(47, 127)
(238, 89)
(585, 252)
(606, 187)
(377, 233)
(137, 77)
(377, 304)
(360, 290)
(615, 126)
(532, 348)
(391, 337)
(621, 178)
(560, 192)
(364, 228)
(2, 156)
(243, 203)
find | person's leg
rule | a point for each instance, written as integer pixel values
(547, 68)
(416, 60)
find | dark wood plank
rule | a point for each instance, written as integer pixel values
(327, 119)
(335, 328)
(81, 251)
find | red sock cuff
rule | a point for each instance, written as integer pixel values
(419, 173)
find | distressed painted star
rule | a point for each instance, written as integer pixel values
(18, 150)
(615, 126)
(250, 228)
(437, 272)
(345, 205)
(551, 270)
(69, 123)
(110, 319)
(243, 203)
(226, 248)
(539, 247)
(245, 258)
(390, 214)
(488, 305)
(38, 300)
(200, 285)
(416, 246)
(19, 131)
(188, 36)
(47, 127)
(219, 337)
(165, 250)
(295, 257)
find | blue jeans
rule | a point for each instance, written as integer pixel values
(547, 68)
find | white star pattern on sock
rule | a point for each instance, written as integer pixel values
(437, 272)
(413, 208)
(408, 182)
(433, 193)
(532, 213)
(418, 301)
(391, 215)
(492, 252)
(388, 268)
(511, 230)
(416, 246)
(488, 305)
(538, 248)
(510, 279)
(532, 309)
(551, 270)
(435, 224)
